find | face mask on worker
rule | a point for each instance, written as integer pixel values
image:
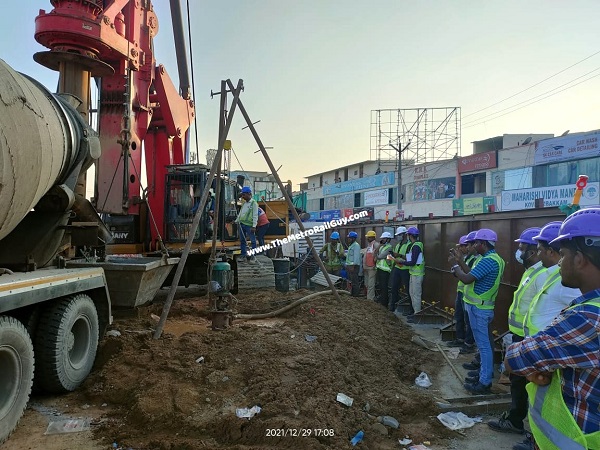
(519, 256)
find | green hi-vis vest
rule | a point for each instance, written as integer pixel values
(246, 219)
(528, 327)
(417, 269)
(487, 299)
(518, 309)
(471, 261)
(551, 422)
(384, 264)
(333, 260)
(401, 250)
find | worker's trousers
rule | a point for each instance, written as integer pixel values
(480, 320)
(370, 275)
(416, 291)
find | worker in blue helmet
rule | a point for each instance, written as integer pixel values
(562, 360)
(332, 254)
(247, 219)
(353, 262)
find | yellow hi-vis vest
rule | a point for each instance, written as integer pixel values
(417, 269)
(401, 250)
(384, 264)
(471, 261)
(485, 300)
(529, 329)
(551, 422)
(518, 309)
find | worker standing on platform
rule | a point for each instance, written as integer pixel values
(531, 283)
(384, 268)
(332, 254)
(400, 276)
(369, 261)
(353, 261)
(562, 361)
(482, 285)
(415, 260)
(247, 220)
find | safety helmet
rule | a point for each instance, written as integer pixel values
(371, 234)
(386, 235)
(246, 190)
(335, 235)
(549, 232)
(463, 240)
(470, 237)
(400, 230)
(352, 234)
(414, 231)
(583, 223)
(528, 235)
(485, 234)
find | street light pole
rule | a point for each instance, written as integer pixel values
(399, 197)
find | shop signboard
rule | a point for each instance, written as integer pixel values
(553, 196)
(474, 205)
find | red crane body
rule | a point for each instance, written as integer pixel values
(139, 105)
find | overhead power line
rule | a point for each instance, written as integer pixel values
(484, 120)
(532, 86)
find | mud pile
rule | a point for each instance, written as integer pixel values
(162, 398)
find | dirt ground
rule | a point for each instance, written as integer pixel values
(158, 394)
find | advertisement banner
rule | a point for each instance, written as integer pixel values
(475, 205)
(478, 161)
(375, 181)
(576, 146)
(553, 196)
(378, 197)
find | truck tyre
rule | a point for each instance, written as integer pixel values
(16, 373)
(66, 343)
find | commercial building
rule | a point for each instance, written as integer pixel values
(504, 173)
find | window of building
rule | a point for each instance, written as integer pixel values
(504, 180)
(346, 174)
(357, 199)
(361, 170)
(320, 180)
(473, 183)
(567, 172)
(321, 204)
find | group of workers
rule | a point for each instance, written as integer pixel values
(554, 359)
(384, 266)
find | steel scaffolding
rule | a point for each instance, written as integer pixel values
(433, 133)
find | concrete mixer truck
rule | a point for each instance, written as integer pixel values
(51, 317)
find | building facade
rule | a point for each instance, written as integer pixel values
(504, 173)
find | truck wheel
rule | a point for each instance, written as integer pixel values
(66, 343)
(16, 373)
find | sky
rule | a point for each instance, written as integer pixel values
(313, 70)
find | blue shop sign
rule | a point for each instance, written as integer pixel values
(360, 184)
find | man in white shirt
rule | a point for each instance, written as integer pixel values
(553, 297)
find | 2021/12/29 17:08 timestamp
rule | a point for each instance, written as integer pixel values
(299, 432)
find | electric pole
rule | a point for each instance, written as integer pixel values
(399, 203)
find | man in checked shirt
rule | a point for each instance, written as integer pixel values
(562, 361)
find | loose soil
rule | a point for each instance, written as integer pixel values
(153, 394)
